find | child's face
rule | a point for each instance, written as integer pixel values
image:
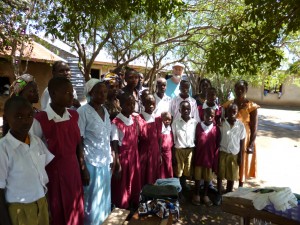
(149, 104)
(185, 110)
(209, 117)
(184, 89)
(99, 93)
(132, 79)
(63, 96)
(211, 97)
(232, 112)
(161, 87)
(31, 93)
(167, 120)
(128, 106)
(20, 120)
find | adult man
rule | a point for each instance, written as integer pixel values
(59, 69)
(161, 99)
(173, 82)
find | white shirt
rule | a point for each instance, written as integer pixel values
(231, 137)
(149, 118)
(22, 168)
(116, 134)
(184, 133)
(205, 106)
(96, 134)
(206, 129)
(165, 130)
(175, 105)
(45, 98)
(36, 126)
(162, 104)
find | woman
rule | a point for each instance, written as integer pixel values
(248, 115)
(95, 127)
(201, 96)
(26, 87)
(112, 104)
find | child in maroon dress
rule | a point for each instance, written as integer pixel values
(148, 143)
(166, 144)
(210, 102)
(206, 154)
(126, 180)
(58, 126)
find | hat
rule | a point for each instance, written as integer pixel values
(179, 64)
(18, 85)
(89, 85)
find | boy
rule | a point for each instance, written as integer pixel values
(67, 172)
(184, 96)
(233, 135)
(23, 178)
(184, 129)
(162, 100)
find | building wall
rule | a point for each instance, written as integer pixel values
(41, 72)
(290, 96)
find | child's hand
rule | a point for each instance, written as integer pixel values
(85, 177)
(117, 169)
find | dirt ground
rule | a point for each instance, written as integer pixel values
(278, 163)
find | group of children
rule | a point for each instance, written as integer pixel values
(81, 149)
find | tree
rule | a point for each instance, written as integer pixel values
(87, 26)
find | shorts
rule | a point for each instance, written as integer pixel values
(228, 166)
(184, 161)
(202, 173)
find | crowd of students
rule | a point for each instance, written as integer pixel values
(81, 160)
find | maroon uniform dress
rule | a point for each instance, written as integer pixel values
(126, 189)
(207, 147)
(65, 191)
(149, 152)
(167, 142)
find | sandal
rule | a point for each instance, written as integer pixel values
(207, 201)
(196, 200)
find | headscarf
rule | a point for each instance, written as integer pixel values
(89, 86)
(111, 78)
(20, 83)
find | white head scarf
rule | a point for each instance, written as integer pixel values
(89, 86)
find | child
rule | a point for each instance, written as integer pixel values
(233, 135)
(125, 183)
(23, 177)
(184, 129)
(162, 100)
(210, 102)
(184, 96)
(166, 144)
(206, 154)
(67, 172)
(95, 127)
(204, 84)
(148, 143)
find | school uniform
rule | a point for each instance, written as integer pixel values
(62, 135)
(162, 104)
(149, 153)
(229, 149)
(184, 140)
(175, 105)
(97, 153)
(125, 190)
(24, 178)
(206, 151)
(166, 136)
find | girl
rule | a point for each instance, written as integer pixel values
(125, 183)
(26, 87)
(58, 126)
(148, 143)
(165, 144)
(95, 127)
(203, 86)
(112, 104)
(206, 154)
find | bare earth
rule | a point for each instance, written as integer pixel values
(278, 155)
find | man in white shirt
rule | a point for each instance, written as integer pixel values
(184, 131)
(233, 135)
(162, 100)
(59, 69)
